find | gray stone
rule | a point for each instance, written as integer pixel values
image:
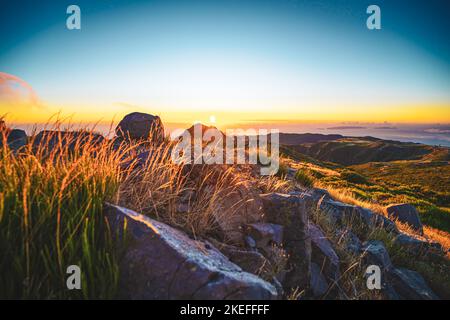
(410, 285)
(17, 139)
(320, 194)
(405, 213)
(48, 140)
(319, 285)
(337, 211)
(139, 125)
(265, 234)
(289, 211)
(323, 253)
(375, 253)
(417, 246)
(161, 262)
(250, 242)
(373, 220)
(249, 260)
(350, 240)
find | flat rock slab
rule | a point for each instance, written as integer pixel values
(161, 262)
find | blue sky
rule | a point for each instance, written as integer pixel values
(308, 59)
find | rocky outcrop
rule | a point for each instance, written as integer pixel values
(139, 126)
(161, 262)
(290, 212)
(405, 213)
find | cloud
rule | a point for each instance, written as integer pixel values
(17, 93)
(127, 105)
(439, 131)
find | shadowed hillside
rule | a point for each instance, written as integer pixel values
(349, 151)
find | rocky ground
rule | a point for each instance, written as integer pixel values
(284, 243)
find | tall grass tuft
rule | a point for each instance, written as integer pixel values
(51, 197)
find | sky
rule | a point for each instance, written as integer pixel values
(226, 61)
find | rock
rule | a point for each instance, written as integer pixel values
(323, 253)
(405, 213)
(377, 220)
(17, 139)
(337, 211)
(161, 262)
(47, 140)
(139, 126)
(239, 207)
(289, 211)
(350, 240)
(265, 234)
(250, 242)
(375, 253)
(319, 194)
(416, 246)
(250, 261)
(410, 285)
(319, 285)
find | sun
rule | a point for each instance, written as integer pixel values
(212, 119)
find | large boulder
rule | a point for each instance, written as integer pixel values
(337, 211)
(160, 262)
(405, 213)
(74, 141)
(417, 246)
(410, 285)
(372, 220)
(139, 126)
(16, 138)
(375, 253)
(289, 211)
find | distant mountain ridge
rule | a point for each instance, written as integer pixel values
(359, 150)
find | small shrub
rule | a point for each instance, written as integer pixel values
(353, 177)
(304, 178)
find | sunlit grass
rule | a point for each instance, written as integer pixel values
(51, 217)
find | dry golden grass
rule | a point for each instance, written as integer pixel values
(352, 283)
(51, 198)
(442, 237)
(268, 184)
(346, 196)
(430, 234)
